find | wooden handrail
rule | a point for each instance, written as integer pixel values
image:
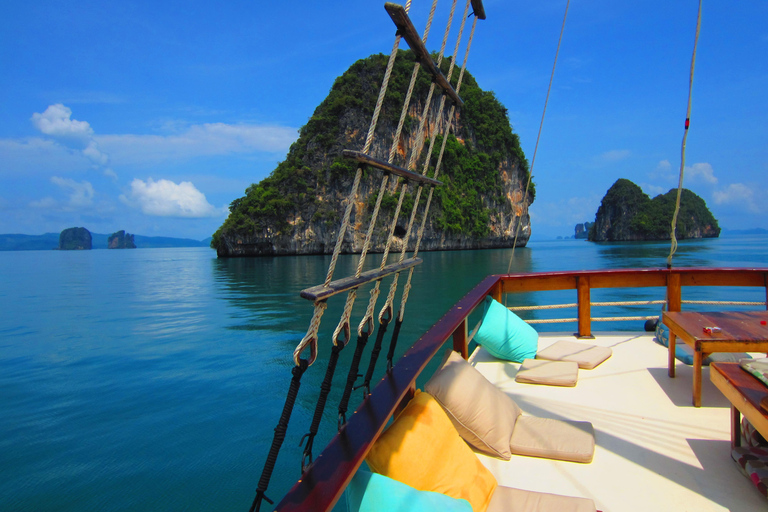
(323, 482)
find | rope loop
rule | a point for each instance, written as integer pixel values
(312, 343)
(337, 341)
(366, 326)
(385, 316)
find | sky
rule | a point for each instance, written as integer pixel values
(153, 116)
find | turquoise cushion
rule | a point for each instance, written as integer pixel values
(371, 492)
(505, 335)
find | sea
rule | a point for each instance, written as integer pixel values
(152, 379)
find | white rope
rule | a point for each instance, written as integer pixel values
(393, 150)
(407, 287)
(311, 337)
(673, 234)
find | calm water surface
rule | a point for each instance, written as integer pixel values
(152, 379)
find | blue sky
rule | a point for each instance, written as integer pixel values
(153, 116)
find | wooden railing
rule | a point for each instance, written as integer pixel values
(323, 482)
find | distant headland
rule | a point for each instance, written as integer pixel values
(75, 240)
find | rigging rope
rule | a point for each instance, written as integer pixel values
(538, 137)
(367, 320)
(673, 234)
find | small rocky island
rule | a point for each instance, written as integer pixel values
(75, 239)
(628, 214)
(298, 208)
(121, 240)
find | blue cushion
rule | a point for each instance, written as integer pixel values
(372, 492)
(505, 335)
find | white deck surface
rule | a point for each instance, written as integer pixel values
(654, 450)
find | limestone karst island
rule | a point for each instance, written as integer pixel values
(297, 209)
(626, 213)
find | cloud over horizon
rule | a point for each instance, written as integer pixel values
(164, 198)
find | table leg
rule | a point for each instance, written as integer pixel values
(735, 427)
(671, 353)
(697, 359)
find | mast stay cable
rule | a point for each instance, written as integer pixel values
(673, 232)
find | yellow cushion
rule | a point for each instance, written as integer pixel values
(423, 449)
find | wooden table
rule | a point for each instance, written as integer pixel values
(745, 393)
(740, 331)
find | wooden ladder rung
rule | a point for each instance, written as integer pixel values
(479, 10)
(387, 167)
(406, 29)
(323, 292)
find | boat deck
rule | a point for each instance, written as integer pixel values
(654, 450)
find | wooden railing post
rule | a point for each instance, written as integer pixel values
(674, 293)
(460, 337)
(585, 308)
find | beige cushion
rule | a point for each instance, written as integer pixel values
(587, 356)
(573, 441)
(553, 373)
(484, 415)
(509, 499)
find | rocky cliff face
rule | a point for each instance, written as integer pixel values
(75, 239)
(121, 240)
(299, 207)
(628, 214)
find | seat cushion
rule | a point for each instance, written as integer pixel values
(483, 414)
(753, 462)
(553, 373)
(504, 334)
(371, 492)
(548, 438)
(509, 499)
(587, 356)
(422, 449)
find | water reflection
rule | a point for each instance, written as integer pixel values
(690, 253)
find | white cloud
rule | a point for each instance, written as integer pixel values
(80, 194)
(653, 190)
(738, 194)
(701, 172)
(56, 121)
(210, 139)
(46, 203)
(164, 198)
(614, 155)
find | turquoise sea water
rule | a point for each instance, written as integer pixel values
(152, 379)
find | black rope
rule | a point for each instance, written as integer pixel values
(277, 440)
(366, 385)
(325, 389)
(352, 377)
(393, 342)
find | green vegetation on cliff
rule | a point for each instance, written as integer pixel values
(470, 167)
(627, 213)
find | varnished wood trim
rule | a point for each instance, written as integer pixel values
(362, 158)
(323, 292)
(323, 482)
(585, 315)
(479, 10)
(408, 31)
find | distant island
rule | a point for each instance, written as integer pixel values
(50, 241)
(75, 239)
(626, 213)
(581, 232)
(121, 240)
